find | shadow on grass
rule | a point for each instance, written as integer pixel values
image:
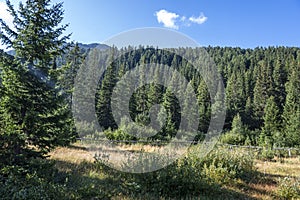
(260, 183)
(76, 147)
(97, 181)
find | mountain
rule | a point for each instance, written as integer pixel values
(93, 45)
(84, 47)
(11, 52)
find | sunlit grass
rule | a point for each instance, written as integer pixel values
(78, 161)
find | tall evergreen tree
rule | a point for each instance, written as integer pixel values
(69, 70)
(271, 123)
(104, 94)
(204, 103)
(34, 114)
(237, 125)
(235, 94)
(280, 78)
(291, 115)
(262, 91)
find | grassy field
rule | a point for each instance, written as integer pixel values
(276, 179)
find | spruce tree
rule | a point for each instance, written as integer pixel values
(237, 125)
(34, 115)
(271, 123)
(262, 91)
(69, 70)
(204, 107)
(291, 115)
(104, 94)
(279, 76)
(235, 94)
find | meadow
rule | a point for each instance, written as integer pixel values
(223, 174)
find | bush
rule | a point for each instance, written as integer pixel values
(233, 138)
(31, 187)
(118, 134)
(191, 175)
(289, 188)
(267, 154)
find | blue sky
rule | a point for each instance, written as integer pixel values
(244, 23)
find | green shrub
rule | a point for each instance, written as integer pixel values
(267, 154)
(190, 175)
(233, 138)
(43, 181)
(118, 134)
(31, 187)
(289, 188)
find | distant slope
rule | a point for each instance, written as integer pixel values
(84, 47)
(11, 52)
(93, 45)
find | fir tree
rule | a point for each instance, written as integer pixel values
(291, 115)
(271, 123)
(204, 107)
(34, 114)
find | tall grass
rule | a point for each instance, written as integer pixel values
(190, 175)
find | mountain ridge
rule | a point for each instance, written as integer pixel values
(82, 46)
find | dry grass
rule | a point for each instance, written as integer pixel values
(266, 183)
(278, 167)
(74, 154)
(263, 186)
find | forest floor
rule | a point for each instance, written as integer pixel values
(78, 161)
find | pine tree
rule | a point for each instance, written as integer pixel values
(190, 112)
(34, 115)
(235, 95)
(172, 119)
(292, 129)
(271, 123)
(291, 115)
(69, 70)
(279, 76)
(237, 125)
(104, 94)
(142, 101)
(204, 107)
(237, 133)
(262, 91)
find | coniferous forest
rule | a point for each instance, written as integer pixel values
(261, 87)
(262, 101)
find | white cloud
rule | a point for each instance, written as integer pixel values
(168, 19)
(198, 20)
(173, 20)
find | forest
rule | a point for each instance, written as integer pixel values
(261, 88)
(261, 101)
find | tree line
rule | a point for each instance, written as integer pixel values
(261, 86)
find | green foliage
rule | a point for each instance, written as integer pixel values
(232, 138)
(291, 113)
(235, 93)
(204, 107)
(271, 123)
(251, 77)
(192, 175)
(32, 187)
(34, 115)
(118, 134)
(267, 154)
(44, 181)
(262, 91)
(289, 188)
(237, 135)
